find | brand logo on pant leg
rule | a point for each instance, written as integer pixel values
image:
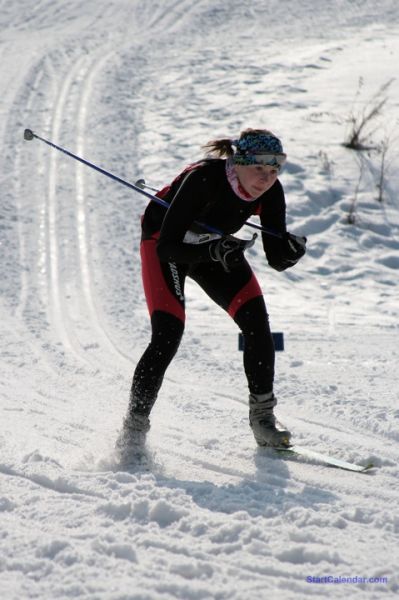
(176, 281)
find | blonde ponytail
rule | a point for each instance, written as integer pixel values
(222, 148)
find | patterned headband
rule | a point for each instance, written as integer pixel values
(251, 148)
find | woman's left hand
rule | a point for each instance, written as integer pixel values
(292, 248)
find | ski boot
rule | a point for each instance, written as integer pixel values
(263, 421)
(130, 445)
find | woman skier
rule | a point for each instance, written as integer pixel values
(237, 179)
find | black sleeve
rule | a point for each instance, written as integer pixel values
(283, 250)
(273, 217)
(186, 205)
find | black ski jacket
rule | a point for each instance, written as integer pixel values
(203, 193)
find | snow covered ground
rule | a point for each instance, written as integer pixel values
(138, 87)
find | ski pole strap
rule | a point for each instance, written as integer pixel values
(30, 135)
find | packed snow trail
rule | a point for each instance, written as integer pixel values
(137, 88)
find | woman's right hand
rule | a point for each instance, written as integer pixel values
(229, 251)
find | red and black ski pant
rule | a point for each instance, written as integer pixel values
(237, 292)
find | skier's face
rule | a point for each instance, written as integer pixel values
(256, 179)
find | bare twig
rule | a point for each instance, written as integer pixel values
(351, 218)
(357, 139)
(384, 151)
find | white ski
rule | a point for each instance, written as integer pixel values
(324, 458)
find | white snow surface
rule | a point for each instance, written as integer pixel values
(137, 88)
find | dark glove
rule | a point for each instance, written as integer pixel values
(292, 248)
(229, 251)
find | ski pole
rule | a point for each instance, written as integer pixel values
(30, 135)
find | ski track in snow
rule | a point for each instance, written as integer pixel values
(137, 88)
